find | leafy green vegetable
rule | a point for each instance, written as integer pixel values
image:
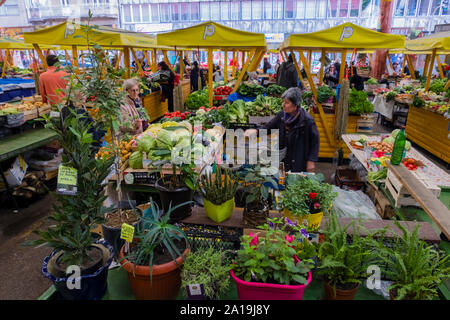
(135, 160)
(324, 93)
(237, 112)
(274, 89)
(145, 143)
(373, 176)
(196, 100)
(417, 102)
(264, 106)
(372, 81)
(390, 95)
(437, 85)
(358, 102)
(250, 90)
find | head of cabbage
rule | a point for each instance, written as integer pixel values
(135, 160)
(146, 143)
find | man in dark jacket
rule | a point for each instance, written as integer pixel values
(287, 74)
(297, 133)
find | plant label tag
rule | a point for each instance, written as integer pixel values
(127, 232)
(195, 292)
(67, 181)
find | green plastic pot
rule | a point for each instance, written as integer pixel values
(221, 212)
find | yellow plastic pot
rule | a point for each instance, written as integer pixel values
(221, 212)
(313, 219)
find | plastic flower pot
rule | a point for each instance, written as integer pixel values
(166, 278)
(92, 285)
(173, 198)
(314, 219)
(341, 294)
(221, 212)
(269, 291)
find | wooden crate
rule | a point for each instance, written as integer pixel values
(30, 114)
(44, 110)
(401, 195)
(153, 105)
(365, 123)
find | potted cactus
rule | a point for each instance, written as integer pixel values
(218, 194)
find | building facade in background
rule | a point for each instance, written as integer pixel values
(274, 17)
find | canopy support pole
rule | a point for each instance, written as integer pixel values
(412, 71)
(447, 85)
(225, 67)
(403, 64)
(389, 59)
(75, 59)
(138, 63)
(243, 70)
(319, 106)
(322, 66)
(126, 56)
(296, 64)
(343, 59)
(187, 57)
(256, 60)
(370, 58)
(430, 70)
(155, 60)
(182, 66)
(299, 70)
(425, 66)
(167, 60)
(210, 76)
(40, 55)
(5, 63)
(441, 72)
(116, 67)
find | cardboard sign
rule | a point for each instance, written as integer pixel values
(67, 180)
(127, 232)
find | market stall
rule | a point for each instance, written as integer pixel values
(127, 43)
(427, 123)
(213, 36)
(344, 38)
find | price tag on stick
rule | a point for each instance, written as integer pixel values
(67, 180)
(127, 232)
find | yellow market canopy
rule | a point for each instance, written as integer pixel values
(344, 36)
(14, 44)
(70, 33)
(211, 35)
(439, 41)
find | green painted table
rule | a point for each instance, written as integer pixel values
(119, 289)
(31, 139)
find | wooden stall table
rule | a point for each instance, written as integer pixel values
(154, 106)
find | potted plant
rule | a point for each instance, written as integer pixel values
(415, 267)
(342, 263)
(206, 267)
(75, 215)
(306, 199)
(267, 266)
(255, 190)
(218, 194)
(156, 256)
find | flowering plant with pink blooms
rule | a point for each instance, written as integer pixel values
(270, 256)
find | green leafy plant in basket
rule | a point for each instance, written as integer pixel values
(415, 267)
(207, 267)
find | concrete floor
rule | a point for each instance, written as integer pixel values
(20, 275)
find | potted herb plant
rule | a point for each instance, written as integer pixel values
(307, 199)
(342, 263)
(75, 215)
(218, 194)
(155, 258)
(207, 267)
(415, 267)
(267, 266)
(255, 190)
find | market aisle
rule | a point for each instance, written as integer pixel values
(20, 267)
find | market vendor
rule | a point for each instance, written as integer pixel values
(297, 133)
(196, 72)
(356, 81)
(51, 81)
(331, 77)
(131, 120)
(167, 86)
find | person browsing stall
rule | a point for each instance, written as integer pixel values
(52, 83)
(167, 86)
(297, 133)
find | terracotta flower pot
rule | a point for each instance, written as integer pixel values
(166, 278)
(269, 291)
(340, 293)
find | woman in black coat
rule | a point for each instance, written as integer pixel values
(195, 72)
(297, 132)
(167, 86)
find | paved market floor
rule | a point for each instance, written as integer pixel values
(20, 275)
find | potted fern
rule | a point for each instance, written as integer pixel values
(218, 194)
(208, 268)
(415, 267)
(155, 257)
(342, 263)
